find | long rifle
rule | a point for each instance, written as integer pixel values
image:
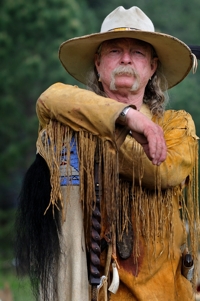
(196, 50)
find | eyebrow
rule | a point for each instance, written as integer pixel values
(114, 43)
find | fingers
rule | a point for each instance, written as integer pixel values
(157, 149)
(149, 135)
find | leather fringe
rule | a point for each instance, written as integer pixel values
(152, 209)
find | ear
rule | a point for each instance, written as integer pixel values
(154, 65)
(97, 60)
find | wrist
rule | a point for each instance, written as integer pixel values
(122, 119)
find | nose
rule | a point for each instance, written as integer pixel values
(126, 58)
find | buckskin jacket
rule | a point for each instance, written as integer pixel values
(144, 208)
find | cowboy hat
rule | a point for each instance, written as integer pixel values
(77, 54)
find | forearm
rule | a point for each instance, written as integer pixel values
(79, 109)
(148, 134)
(182, 144)
(175, 169)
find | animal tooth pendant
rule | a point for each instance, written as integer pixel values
(115, 281)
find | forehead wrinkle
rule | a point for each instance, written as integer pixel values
(125, 41)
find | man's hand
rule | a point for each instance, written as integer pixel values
(148, 134)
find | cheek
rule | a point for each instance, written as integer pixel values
(105, 66)
(105, 70)
(146, 70)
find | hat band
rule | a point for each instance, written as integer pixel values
(123, 29)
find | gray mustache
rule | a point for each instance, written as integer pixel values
(125, 70)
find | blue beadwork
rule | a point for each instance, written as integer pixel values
(74, 163)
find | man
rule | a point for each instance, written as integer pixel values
(119, 170)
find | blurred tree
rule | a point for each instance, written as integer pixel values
(31, 32)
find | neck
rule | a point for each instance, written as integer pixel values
(129, 98)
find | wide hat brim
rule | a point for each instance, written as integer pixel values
(77, 54)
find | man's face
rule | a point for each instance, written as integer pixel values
(125, 65)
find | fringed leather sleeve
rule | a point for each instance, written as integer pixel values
(182, 153)
(98, 115)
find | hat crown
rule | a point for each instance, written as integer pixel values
(132, 18)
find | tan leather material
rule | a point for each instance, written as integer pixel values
(181, 140)
(156, 276)
(98, 114)
(64, 103)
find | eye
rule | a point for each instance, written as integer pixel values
(114, 50)
(138, 52)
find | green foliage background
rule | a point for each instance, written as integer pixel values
(30, 35)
